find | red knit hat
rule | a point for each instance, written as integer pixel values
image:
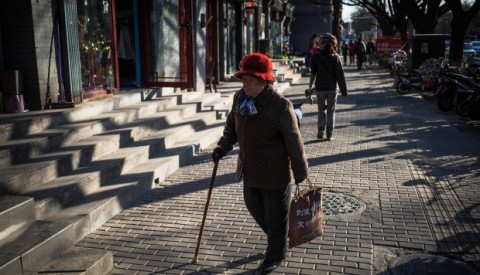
(256, 64)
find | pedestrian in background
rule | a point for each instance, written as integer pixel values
(345, 52)
(371, 52)
(351, 52)
(360, 50)
(327, 71)
(264, 124)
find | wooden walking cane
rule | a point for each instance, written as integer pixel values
(214, 174)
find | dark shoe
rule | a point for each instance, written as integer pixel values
(320, 135)
(268, 266)
(329, 136)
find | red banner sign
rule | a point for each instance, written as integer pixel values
(386, 45)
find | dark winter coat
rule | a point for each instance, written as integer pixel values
(351, 48)
(370, 47)
(270, 143)
(329, 71)
(345, 49)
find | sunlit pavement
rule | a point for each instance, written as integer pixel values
(415, 170)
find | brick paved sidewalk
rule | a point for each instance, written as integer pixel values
(415, 171)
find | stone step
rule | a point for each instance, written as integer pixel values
(281, 87)
(22, 149)
(36, 246)
(185, 96)
(205, 98)
(16, 213)
(221, 106)
(15, 179)
(93, 210)
(13, 126)
(96, 176)
(51, 197)
(213, 102)
(293, 78)
(82, 261)
(10, 264)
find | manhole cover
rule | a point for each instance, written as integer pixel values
(475, 212)
(428, 264)
(339, 204)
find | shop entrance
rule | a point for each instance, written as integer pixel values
(232, 33)
(251, 29)
(167, 43)
(127, 42)
(211, 44)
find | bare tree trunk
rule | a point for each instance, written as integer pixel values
(457, 37)
(336, 18)
(422, 14)
(461, 19)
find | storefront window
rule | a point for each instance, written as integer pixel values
(95, 37)
(230, 39)
(250, 30)
(276, 36)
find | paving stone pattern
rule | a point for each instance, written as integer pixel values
(415, 168)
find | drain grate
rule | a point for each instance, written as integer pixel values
(340, 204)
(474, 212)
(428, 265)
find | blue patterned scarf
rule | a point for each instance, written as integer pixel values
(246, 105)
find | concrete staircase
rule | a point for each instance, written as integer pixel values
(64, 173)
(287, 71)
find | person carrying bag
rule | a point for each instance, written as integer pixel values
(271, 153)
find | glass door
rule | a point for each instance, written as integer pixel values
(250, 31)
(211, 43)
(231, 37)
(167, 55)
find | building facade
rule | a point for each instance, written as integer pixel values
(315, 19)
(70, 51)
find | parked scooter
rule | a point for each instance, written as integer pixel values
(405, 82)
(423, 79)
(473, 106)
(397, 62)
(470, 98)
(455, 88)
(440, 81)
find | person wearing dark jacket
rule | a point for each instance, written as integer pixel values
(360, 49)
(327, 71)
(371, 52)
(271, 148)
(345, 52)
(351, 52)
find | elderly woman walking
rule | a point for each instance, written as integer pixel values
(270, 149)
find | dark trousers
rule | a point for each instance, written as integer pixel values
(352, 59)
(360, 57)
(269, 208)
